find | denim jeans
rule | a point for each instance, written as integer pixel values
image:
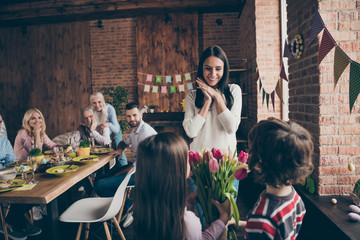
(122, 161)
(107, 184)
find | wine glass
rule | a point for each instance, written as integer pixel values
(33, 165)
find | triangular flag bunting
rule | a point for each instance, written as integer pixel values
(316, 27)
(287, 52)
(263, 91)
(172, 89)
(168, 79)
(260, 85)
(278, 90)
(155, 89)
(149, 77)
(327, 43)
(273, 99)
(147, 88)
(282, 72)
(267, 100)
(163, 89)
(354, 86)
(341, 60)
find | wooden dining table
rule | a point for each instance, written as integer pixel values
(49, 188)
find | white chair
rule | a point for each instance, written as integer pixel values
(98, 209)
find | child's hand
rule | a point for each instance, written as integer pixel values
(224, 213)
(241, 223)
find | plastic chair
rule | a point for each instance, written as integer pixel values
(98, 209)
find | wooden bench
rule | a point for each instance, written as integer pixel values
(324, 220)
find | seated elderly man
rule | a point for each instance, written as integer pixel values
(88, 128)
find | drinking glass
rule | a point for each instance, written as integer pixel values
(33, 166)
(92, 143)
(59, 152)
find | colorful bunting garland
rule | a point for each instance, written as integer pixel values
(341, 60)
(164, 89)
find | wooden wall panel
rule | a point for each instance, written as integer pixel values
(166, 45)
(48, 67)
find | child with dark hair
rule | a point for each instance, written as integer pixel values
(280, 155)
(160, 193)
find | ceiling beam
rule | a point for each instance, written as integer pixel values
(29, 12)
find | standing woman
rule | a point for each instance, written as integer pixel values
(213, 111)
(32, 134)
(105, 115)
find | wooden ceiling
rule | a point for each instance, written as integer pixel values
(29, 12)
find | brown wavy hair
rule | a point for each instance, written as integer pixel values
(160, 190)
(280, 153)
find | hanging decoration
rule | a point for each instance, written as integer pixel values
(297, 46)
(316, 27)
(341, 60)
(159, 87)
(327, 43)
(287, 52)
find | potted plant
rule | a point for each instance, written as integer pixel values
(84, 148)
(152, 108)
(117, 97)
(36, 152)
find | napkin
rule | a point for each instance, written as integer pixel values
(25, 187)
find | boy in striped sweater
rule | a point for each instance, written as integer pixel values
(280, 156)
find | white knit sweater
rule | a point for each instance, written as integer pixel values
(217, 130)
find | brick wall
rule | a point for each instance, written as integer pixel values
(114, 58)
(268, 53)
(315, 103)
(113, 55)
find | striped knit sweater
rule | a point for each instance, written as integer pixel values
(275, 217)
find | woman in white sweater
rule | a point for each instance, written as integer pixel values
(213, 111)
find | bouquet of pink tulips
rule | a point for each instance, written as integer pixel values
(214, 172)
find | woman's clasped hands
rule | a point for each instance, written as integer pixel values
(209, 92)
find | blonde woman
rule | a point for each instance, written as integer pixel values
(32, 134)
(105, 115)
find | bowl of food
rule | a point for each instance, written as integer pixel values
(23, 168)
(62, 170)
(70, 152)
(8, 174)
(58, 160)
(85, 159)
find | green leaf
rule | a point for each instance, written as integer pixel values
(35, 152)
(235, 210)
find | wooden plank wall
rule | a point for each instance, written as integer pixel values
(167, 44)
(48, 67)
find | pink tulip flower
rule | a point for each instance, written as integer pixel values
(207, 156)
(240, 174)
(191, 157)
(216, 153)
(213, 165)
(198, 157)
(243, 157)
